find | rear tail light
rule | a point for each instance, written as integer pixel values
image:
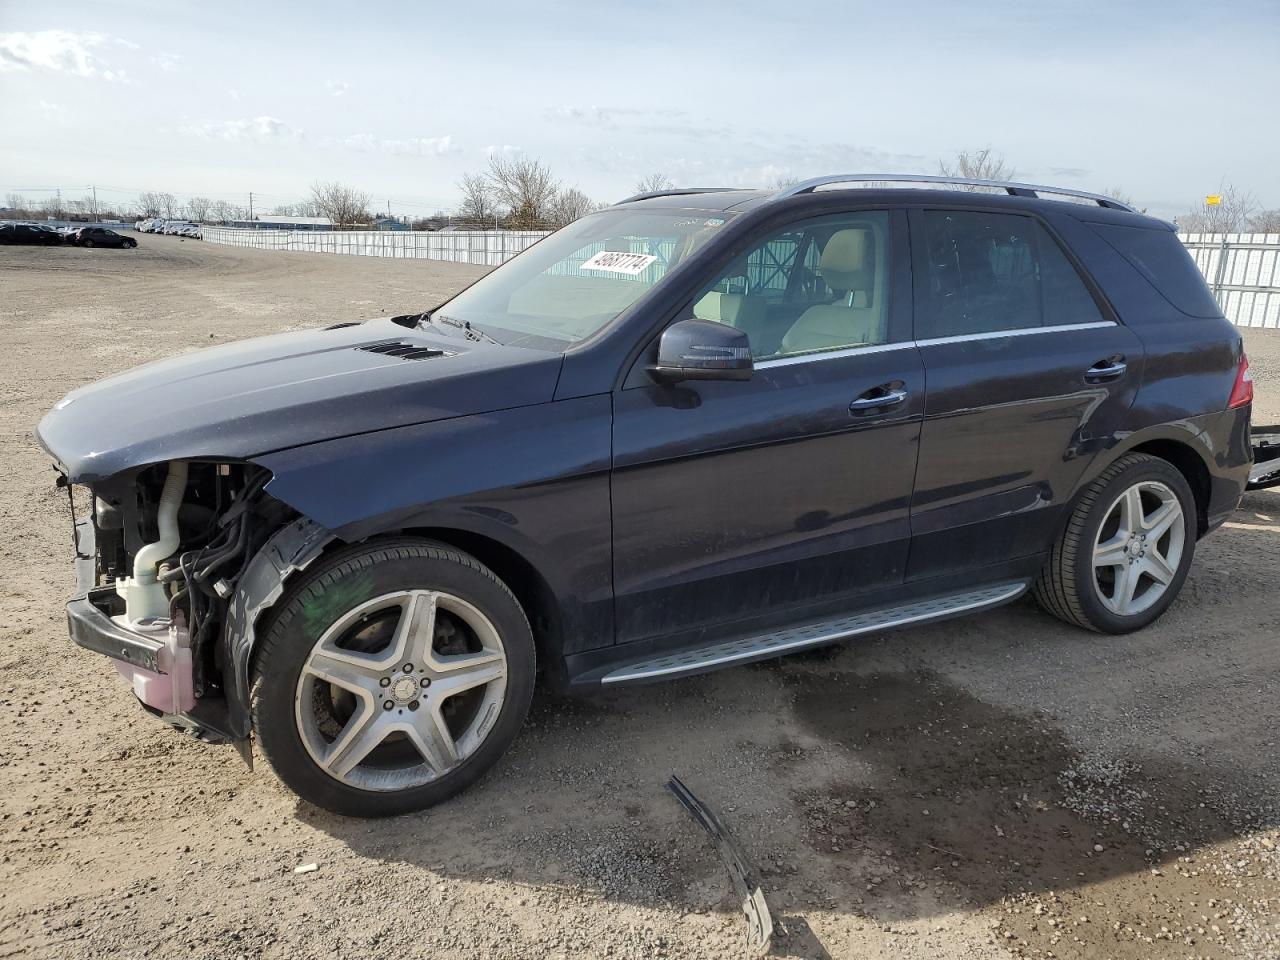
(1242, 390)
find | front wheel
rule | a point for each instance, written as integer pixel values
(392, 677)
(86, 243)
(1126, 550)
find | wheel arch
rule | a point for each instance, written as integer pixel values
(522, 577)
(295, 548)
(1180, 448)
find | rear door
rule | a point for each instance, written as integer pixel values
(1028, 374)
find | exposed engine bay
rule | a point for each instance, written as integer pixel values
(172, 541)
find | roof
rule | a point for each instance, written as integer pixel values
(742, 201)
(880, 186)
(312, 221)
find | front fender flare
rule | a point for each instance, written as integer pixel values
(291, 549)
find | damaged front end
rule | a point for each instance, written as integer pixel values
(159, 559)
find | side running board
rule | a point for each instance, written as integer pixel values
(816, 633)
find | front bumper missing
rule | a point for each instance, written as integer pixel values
(91, 627)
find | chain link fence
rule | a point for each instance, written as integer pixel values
(480, 247)
(1243, 271)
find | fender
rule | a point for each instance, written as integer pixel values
(532, 479)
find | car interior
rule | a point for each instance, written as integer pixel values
(817, 287)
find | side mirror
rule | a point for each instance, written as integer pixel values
(702, 350)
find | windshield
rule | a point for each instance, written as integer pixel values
(571, 284)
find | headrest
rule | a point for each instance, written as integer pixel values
(734, 309)
(845, 260)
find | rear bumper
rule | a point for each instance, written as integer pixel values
(1229, 443)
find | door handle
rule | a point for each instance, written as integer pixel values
(877, 398)
(1112, 368)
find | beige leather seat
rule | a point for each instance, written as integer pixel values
(738, 310)
(847, 265)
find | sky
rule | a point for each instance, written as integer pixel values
(1162, 99)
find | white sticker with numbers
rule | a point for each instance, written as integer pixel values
(615, 261)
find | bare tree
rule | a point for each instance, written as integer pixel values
(525, 187)
(303, 208)
(222, 211)
(783, 180)
(169, 206)
(479, 202)
(653, 183)
(1229, 215)
(1116, 193)
(14, 201)
(570, 204)
(150, 204)
(981, 164)
(198, 208)
(342, 204)
(1265, 221)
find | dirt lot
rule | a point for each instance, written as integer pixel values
(993, 787)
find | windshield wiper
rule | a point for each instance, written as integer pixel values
(468, 331)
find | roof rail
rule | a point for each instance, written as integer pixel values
(1013, 189)
(677, 192)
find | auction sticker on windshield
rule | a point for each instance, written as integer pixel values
(616, 261)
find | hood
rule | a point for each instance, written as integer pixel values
(243, 399)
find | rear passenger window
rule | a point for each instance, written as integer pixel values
(1160, 257)
(987, 272)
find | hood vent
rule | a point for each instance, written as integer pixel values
(403, 350)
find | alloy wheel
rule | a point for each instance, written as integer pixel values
(1138, 548)
(401, 689)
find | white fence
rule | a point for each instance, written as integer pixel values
(1242, 269)
(481, 247)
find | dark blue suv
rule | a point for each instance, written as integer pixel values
(695, 429)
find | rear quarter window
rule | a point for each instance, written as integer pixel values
(1160, 257)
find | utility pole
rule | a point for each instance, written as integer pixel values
(95, 203)
(250, 204)
(57, 210)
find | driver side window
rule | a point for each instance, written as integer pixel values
(810, 288)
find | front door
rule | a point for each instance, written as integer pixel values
(1028, 377)
(787, 494)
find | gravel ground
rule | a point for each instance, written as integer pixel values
(992, 787)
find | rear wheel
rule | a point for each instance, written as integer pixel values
(393, 676)
(1126, 550)
(86, 243)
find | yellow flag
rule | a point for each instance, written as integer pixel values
(1213, 200)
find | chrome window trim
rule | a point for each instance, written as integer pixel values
(929, 342)
(831, 354)
(1016, 332)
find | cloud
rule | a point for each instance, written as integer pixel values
(502, 150)
(167, 62)
(1069, 171)
(53, 112)
(336, 88)
(59, 51)
(413, 146)
(250, 130)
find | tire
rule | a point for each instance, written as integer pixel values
(131, 244)
(312, 719)
(1080, 585)
(86, 243)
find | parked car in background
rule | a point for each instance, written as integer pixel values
(100, 237)
(191, 230)
(692, 430)
(31, 234)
